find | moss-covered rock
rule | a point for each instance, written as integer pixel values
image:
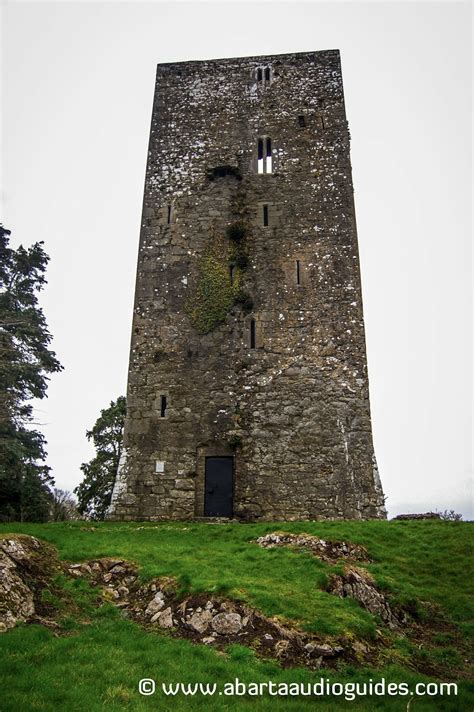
(27, 567)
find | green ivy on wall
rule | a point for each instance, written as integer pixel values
(215, 294)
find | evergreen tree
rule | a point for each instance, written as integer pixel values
(95, 491)
(25, 362)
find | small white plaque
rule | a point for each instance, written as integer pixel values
(159, 466)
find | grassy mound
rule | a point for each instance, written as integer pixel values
(98, 661)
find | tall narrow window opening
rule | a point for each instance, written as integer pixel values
(269, 156)
(163, 406)
(264, 155)
(231, 273)
(253, 334)
(298, 273)
(260, 155)
(264, 75)
(301, 121)
(169, 214)
(265, 216)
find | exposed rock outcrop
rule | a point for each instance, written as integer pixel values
(330, 551)
(30, 592)
(16, 599)
(408, 517)
(27, 566)
(202, 618)
(359, 584)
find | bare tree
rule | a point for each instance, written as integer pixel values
(449, 515)
(64, 506)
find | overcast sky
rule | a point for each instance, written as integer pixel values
(78, 81)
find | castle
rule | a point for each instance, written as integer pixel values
(248, 392)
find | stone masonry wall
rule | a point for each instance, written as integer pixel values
(294, 411)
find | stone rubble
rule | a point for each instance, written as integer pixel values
(409, 517)
(28, 567)
(203, 619)
(358, 584)
(26, 564)
(227, 623)
(329, 551)
(155, 605)
(165, 618)
(199, 621)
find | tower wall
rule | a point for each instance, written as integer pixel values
(287, 396)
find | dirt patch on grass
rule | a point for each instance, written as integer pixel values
(329, 551)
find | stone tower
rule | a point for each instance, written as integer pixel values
(248, 391)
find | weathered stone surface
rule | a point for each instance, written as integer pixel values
(293, 412)
(27, 565)
(281, 648)
(118, 569)
(426, 515)
(16, 599)
(324, 549)
(359, 584)
(20, 548)
(155, 605)
(323, 649)
(165, 618)
(227, 623)
(200, 620)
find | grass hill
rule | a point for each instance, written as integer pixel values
(95, 658)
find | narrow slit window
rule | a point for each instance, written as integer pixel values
(253, 333)
(260, 155)
(264, 155)
(298, 272)
(231, 273)
(163, 406)
(169, 214)
(301, 121)
(269, 156)
(265, 216)
(264, 75)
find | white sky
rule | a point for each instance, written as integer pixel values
(78, 82)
